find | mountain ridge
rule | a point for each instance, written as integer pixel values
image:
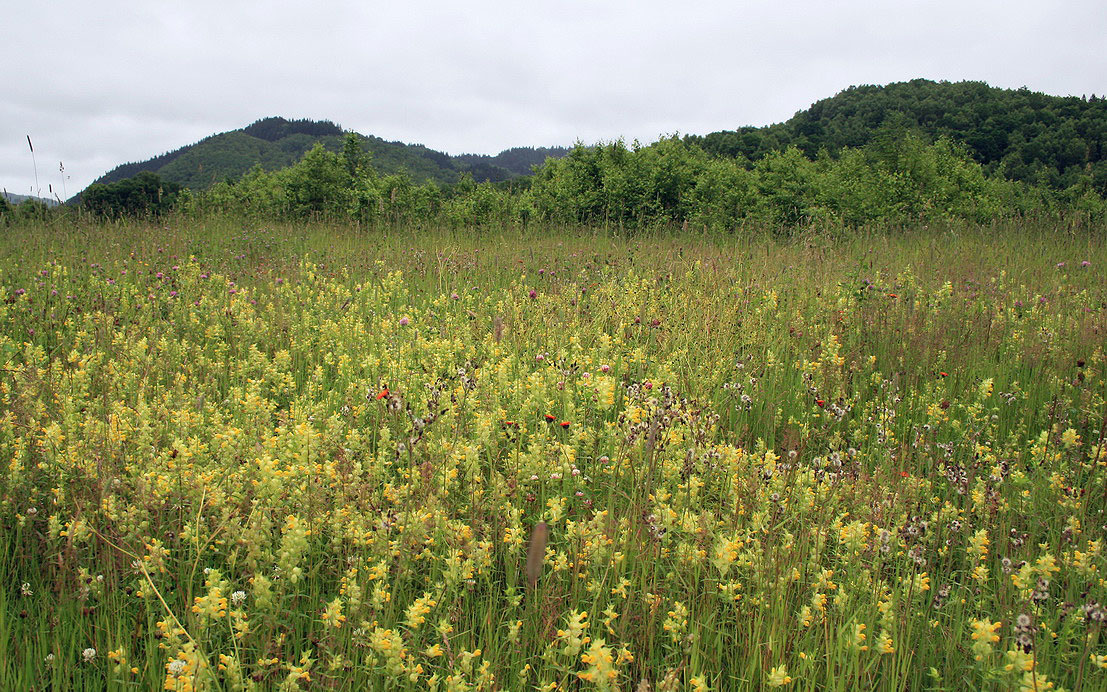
(276, 142)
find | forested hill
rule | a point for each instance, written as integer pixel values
(1048, 141)
(1016, 133)
(275, 143)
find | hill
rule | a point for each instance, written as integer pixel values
(18, 199)
(275, 143)
(1017, 133)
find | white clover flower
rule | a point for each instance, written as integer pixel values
(25, 589)
(176, 667)
(88, 654)
(238, 597)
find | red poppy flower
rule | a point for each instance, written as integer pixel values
(382, 395)
(550, 418)
(509, 423)
(820, 402)
(904, 474)
(943, 374)
(564, 424)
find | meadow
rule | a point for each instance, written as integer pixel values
(308, 456)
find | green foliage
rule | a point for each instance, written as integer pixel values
(917, 152)
(897, 179)
(143, 195)
(1016, 133)
(261, 456)
(276, 143)
(274, 129)
(31, 210)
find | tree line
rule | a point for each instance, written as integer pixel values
(898, 179)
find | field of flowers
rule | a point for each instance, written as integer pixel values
(316, 458)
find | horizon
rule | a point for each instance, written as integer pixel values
(492, 76)
(61, 199)
(66, 199)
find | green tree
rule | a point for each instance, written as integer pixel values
(145, 194)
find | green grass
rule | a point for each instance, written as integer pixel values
(769, 445)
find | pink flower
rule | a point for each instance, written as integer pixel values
(404, 321)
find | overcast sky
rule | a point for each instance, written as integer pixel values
(96, 84)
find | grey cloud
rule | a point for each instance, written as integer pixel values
(98, 84)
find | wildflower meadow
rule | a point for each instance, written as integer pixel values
(313, 457)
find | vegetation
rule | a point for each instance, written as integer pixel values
(31, 210)
(275, 143)
(14, 199)
(265, 456)
(1059, 142)
(671, 183)
(656, 417)
(146, 194)
(906, 153)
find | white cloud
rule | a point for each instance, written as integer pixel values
(99, 84)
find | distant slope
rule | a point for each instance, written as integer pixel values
(1018, 133)
(516, 161)
(275, 143)
(16, 199)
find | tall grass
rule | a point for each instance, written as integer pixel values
(308, 457)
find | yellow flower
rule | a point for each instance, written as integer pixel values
(778, 677)
(884, 643)
(984, 635)
(859, 637)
